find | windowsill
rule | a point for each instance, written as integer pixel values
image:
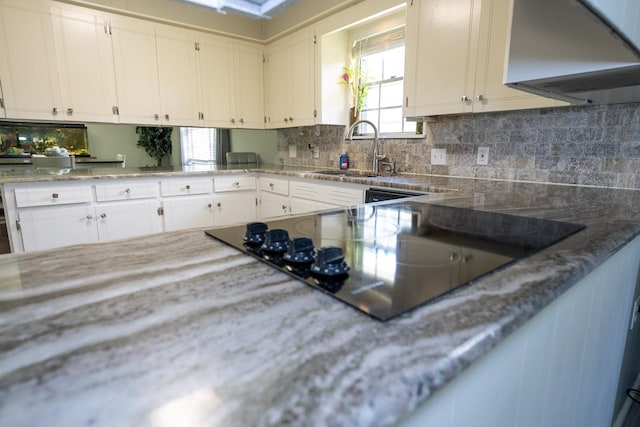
(391, 136)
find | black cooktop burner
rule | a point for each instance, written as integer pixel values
(385, 260)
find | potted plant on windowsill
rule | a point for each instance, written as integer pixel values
(353, 77)
(156, 141)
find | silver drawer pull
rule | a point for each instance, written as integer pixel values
(188, 187)
(237, 183)
(89, 217)
(127, 191)
(103, 215)
(55, 196)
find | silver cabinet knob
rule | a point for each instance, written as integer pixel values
(286, 120)
(69, 111)
(209, 205)
(156, 116)
(237, 183)
(480, 98)
(464, 98)
(284, 207)
(241, 121)
(127, 191)
(89, 217)
(54, 111)
(290, 119)
(55, 196)
(166, 117)
(188, 187)
(233, 120)
(219, 204)
(103, 215)
(271, 185)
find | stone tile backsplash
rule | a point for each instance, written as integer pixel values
(593, 145)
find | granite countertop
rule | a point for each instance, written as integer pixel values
(178, 326)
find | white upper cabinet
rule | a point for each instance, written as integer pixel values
(136, 67)
(216, 81)
(177, 75)
(156, 73)
(85, 64)
(454, 61)
(291, 81)
(231, 83)
(28, 68)
(248, 98)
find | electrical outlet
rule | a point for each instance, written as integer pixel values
(438, 156)
(634, 314)
(293, 151)
(483, 156)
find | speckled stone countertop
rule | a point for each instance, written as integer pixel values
(179, 329)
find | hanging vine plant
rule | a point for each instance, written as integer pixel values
(156, 141)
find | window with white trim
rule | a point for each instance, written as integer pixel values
(198, 146)
(381, 57)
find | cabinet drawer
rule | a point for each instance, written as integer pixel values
(54, 195)
(306, 190)
(344, 196)
(274, 185)
(126, 190)
(185, 187)
(234, 183)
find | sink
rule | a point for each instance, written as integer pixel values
(346, 173)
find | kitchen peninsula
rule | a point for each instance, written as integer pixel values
(178, 328)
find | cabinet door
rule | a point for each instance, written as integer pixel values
(277, 90)
(291, 81)
(442, 36)
(216, 81)
(188, 212)
(28, 67)
(299, 206)
(303, 79)
(128, 219)
(273, 205)
(46, 228)
(177, 76)
(249, 87)
(235, 208)
(134, 51)
(85, 65)
(490, 92)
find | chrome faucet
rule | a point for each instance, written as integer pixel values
(376, 156)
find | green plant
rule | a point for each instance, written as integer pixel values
(156, 141)
(353, 77)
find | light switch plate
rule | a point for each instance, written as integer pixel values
(292, 151)
(438, 156)
(483, 156)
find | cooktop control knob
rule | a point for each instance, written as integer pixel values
(300, 251)
(255, 234)
(330, 265)
(275, 245)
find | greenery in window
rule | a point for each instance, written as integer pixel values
(156, 141)
(355, 80)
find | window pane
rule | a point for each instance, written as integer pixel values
(391, 94)
(391, 120)
(197, 145)
(409, 126)
(393, 63)
(373, 97)
(372, 67)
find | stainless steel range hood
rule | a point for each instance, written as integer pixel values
(580, 51)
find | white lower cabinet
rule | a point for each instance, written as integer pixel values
(185, 212)
(53, 227)
(273, 205)
(299, 206)
(128, 219)
(235, 207)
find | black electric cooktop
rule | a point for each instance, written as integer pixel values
(387, 259)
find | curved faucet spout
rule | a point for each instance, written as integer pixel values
(375, 141)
